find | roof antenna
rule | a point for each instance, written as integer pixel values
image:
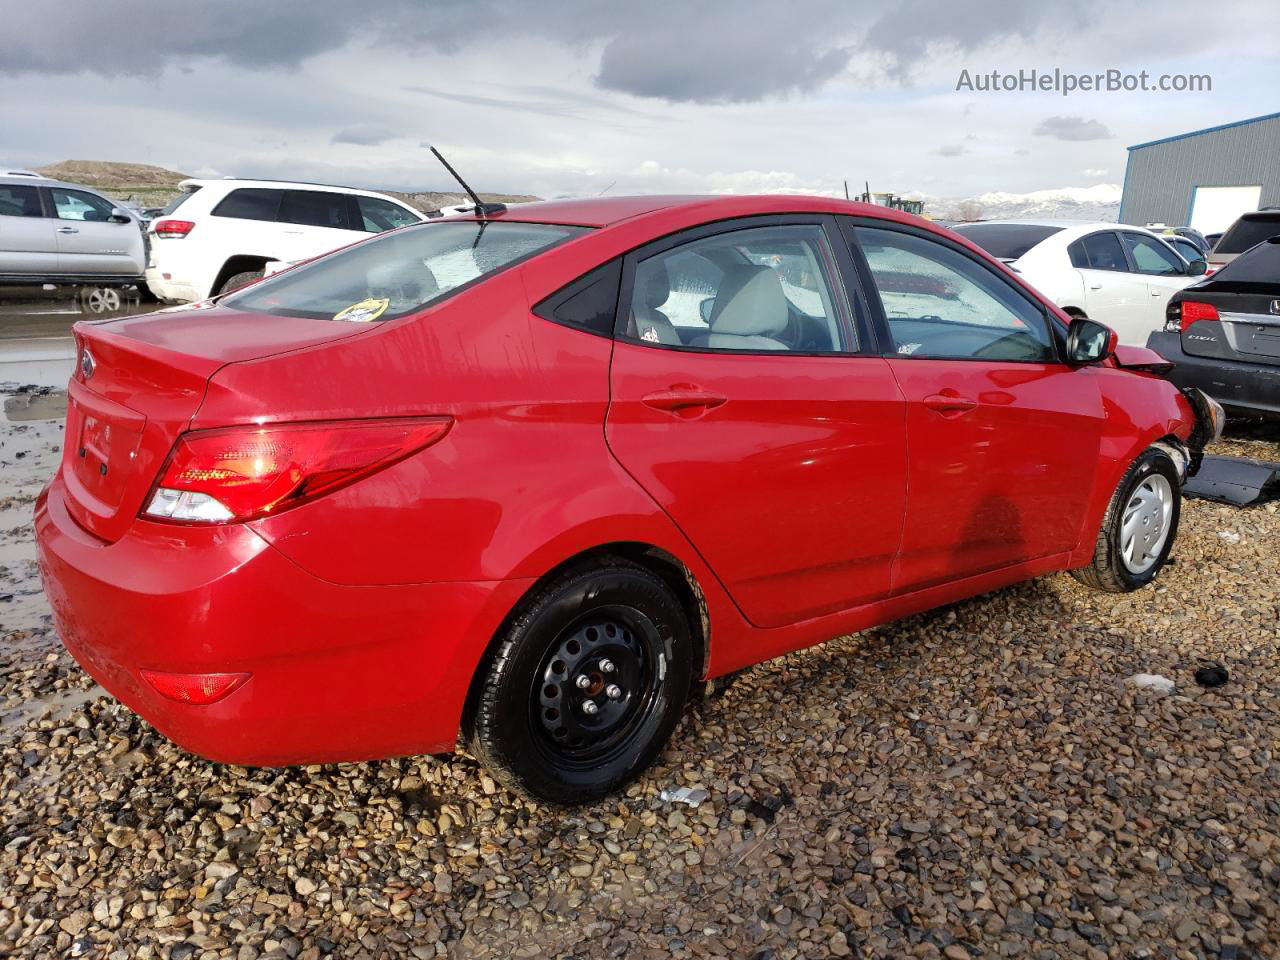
(482, 210)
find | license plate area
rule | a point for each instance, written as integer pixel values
(103, 456)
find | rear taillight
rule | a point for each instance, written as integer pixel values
(241, 473)
(1193, 312)
(194, 688)
(172, 229)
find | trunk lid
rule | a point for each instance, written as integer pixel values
(137, 384)
(1247, 331)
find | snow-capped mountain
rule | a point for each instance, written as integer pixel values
(1099, 202)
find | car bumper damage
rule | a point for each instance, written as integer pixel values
(1245, 389)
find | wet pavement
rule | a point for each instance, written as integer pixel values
(36, 346)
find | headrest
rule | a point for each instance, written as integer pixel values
(653, 283)
(750, 302)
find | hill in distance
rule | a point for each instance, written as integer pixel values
(150, 186)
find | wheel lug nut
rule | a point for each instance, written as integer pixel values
(582, 682)
(613, 691)
(590, 707)
(606, 666)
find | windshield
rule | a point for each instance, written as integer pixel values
(186, 194)
(394, 274)
(1006, 241)
(1247, 231)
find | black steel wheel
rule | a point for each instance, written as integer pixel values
(586, 684)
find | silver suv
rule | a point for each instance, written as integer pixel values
(55, 232)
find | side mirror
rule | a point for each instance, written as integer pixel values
(1089, 341)
(1197, 268)
(119, 216)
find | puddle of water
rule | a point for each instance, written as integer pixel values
(55, 705)
(43, 405)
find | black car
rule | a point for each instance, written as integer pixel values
(1251, 228)
(1223, 333)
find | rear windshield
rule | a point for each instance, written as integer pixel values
(1006, 241)
(186, 194)
(1248, 231)
(1258, 265)
(396, 273)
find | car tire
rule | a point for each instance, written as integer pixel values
(1139, 528)
(612, 634)
(101, 301)
(238, 280)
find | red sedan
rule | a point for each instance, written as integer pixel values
(526, 478)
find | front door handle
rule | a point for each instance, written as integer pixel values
(683, 399)
(1095, 286)
(949, 404)
(68, 230)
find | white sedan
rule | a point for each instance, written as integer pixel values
(1116, 274)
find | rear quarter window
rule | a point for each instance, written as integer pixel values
(250, 203)
(394, 274)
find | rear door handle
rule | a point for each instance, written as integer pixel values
(1095, 286)
(683, 399)
(68, 230)
(949, 404)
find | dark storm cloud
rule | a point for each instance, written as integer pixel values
(364, 135)
(710, 52)
(1072, 128)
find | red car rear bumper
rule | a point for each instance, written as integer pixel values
(337, 673)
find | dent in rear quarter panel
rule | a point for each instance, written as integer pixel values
(1138, 410)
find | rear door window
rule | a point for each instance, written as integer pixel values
(19, 201)
(398, 273)
(377, 215)
(761, 288)
(315, 208)
(250, 203)
(1099, 251)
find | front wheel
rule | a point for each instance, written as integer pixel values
(586, 685)
(1139, 527)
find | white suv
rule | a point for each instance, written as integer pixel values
(221, 234)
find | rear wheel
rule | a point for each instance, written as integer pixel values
(238, 280)
(101, 300)
(1139, 527)
(586, 684)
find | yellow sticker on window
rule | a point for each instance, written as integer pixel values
(364, 311)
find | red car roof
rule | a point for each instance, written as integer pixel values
(605, 211)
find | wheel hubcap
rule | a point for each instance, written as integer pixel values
(1144, 527)
(103, 300)
(596, 684)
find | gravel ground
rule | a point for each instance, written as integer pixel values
(979, 781)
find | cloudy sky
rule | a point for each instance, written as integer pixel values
(564, 97)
